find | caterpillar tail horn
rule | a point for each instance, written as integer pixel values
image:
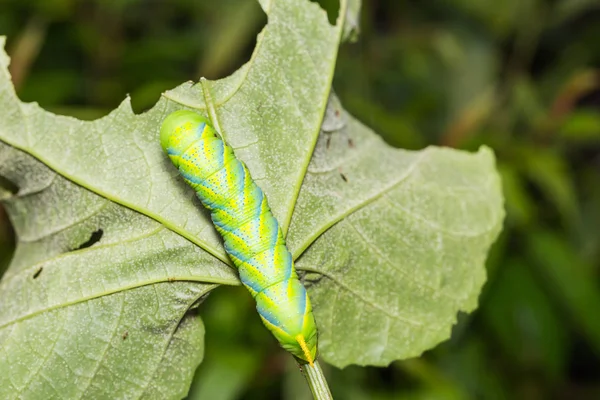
(302, 343)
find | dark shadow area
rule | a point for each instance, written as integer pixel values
(8, 185)
(7, 240)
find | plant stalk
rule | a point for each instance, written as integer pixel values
(316, 381)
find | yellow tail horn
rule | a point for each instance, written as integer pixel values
(302, 343)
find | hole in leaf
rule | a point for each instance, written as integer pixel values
(7, 240)
(231, 39)
(94, 238)
(213, 41)
(332, 7)
(8, 186)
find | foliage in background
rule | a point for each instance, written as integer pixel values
(519, 76)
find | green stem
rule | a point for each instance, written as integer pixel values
(316, 381)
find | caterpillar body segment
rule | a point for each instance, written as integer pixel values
(251, 234)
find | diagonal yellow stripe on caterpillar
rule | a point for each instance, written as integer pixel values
(251, 234)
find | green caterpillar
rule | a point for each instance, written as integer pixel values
(252, 236)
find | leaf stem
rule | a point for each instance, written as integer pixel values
(316, 381)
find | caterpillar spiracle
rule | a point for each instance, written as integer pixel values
(251, 234)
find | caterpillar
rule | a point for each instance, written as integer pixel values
(251, 234)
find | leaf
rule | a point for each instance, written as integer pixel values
(552, 174)
(526, 327)
(567, 9)
(521, 208)
(499, 18)
(351, 25)
(229, 373)
(399, 235)
(581, 126)
(569, 279)
(469, 368)
(75, 318)
(89, 322)
(394, 241)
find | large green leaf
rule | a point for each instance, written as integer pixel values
(114, 251)
(394, 241)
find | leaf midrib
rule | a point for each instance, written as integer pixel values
(379, 195)
(326, 226)
(186, 278)
(285, 224)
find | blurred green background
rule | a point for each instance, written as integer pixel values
(521, 76)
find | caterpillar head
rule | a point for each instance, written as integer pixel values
(179, 130)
